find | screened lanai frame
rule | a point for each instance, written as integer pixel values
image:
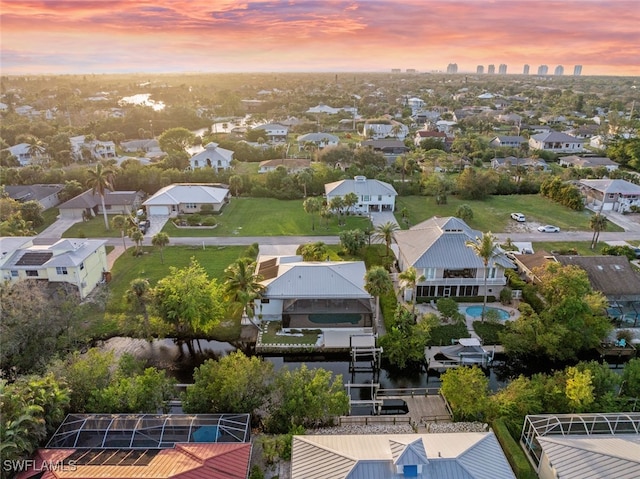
(148, 431)
(539, 425)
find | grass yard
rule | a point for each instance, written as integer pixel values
(269, 336)
(493, 213)
(214, 259)
(50, 217)
(94, 228)
(582, 247)
(268, 217)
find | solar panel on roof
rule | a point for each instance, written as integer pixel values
(31, 258)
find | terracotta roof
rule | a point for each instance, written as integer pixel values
(185, 461)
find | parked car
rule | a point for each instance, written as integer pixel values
(519, 217)
(548, 229)
(144, 226)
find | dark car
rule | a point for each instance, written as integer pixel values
(144, 226)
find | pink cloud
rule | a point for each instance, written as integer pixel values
(320, 34)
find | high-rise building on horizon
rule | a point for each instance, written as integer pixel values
(577, 70)
(480, 69)
(559, 71)
(452, 68)
(502, 69)
(491, 69)
(525, 70)
(543, 70)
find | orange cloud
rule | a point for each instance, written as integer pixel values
(229, 35)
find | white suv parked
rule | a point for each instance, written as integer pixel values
(518, 217)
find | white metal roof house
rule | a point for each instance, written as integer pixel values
(610, 195)
(557, 142)
(22, 153)
(373, 195)
(314, 295)
(471, 455)
(80, 262)
(292, 165)
(98, 150)
(321, 140)
(212, 157)
(274, 132)
(507, 141)
(436, 248)
(378, 131)
(185, 198)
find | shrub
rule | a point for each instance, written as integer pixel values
(488, 331)
(209, 221)
(443, 335)
(530, 295)
(206, 209)
(194, 219)
(515, 455)
(505, 295)
(448, 308)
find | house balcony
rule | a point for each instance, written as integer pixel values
(464, 282)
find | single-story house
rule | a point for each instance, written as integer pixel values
(314, 295)
(437, 249)
(292, 165)
(140, 145)
(390, 148)
(80, 262)
(426, 456)
(373, 195)
(320, 140)
(422, 135)
(507, 141)
(186, 198)
(46, 195)
(212, 157)
(588, 162)
(88, 204)
(556, 142)
(274, 132)
(322, 108)
(145, 446)
(610, 195)
(512, 162)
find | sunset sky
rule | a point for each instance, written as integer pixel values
(117, 36)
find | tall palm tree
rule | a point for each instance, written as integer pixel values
(120, 222)
(410, 279)
(312, 206)
(597, 223)
(350, 200)
(137, 237)
(384, 232)
(160, 240)
(100, 180)
(242, 286)
(486, 249)
(36, 147)
(378, 282)
(138, 296)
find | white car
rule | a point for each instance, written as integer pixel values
(518, 217)
(548, 229)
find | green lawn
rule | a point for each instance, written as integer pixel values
(269, 336)
(268, 217)
(50, 217)
(582, 247)
(493, 213)
(214, 259)
(94, 228)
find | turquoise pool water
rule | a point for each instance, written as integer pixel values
(476, 312)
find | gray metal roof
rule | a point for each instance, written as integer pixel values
(441, 242)
(318, 280)
(591, 457)
(187, 193)
(556, 136)
(361, 187)
(66, 252)
(442, 456)
(613, 186)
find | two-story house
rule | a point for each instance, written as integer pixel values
(274, 132)
(437, 249)
(373, 195)
(610, 195)
(88, 150)
(320, 140)
(212, 157)
(80, 262)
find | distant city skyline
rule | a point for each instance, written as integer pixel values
(124, 36)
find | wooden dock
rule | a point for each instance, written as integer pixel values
(426, 405)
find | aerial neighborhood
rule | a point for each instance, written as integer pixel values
(370, 275)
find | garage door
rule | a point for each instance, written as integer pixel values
(159, 210)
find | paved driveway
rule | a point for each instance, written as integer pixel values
(56, 230)
(382, 218)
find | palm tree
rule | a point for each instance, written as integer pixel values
(137, 237)
(242, 286)
(312, 206)
(350, 200)
(378, 282)
(160, 240)
(235, 182)
(486, 249)
(36, 147)
(410, 279)
(119, 222)
(304, 178)
(138, 295)
(597, 223)
(100, 180)
(384, 232)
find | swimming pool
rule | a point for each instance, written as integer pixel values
(476, 312)
(335, 318)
